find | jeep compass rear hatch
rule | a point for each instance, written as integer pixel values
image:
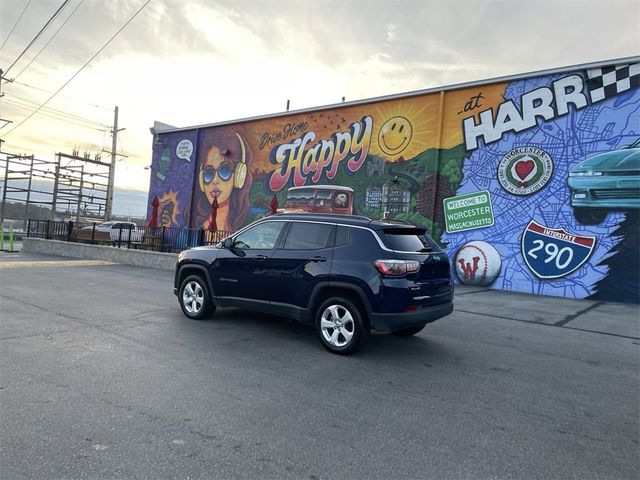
(413, 243)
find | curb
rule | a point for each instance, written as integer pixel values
(140, 258)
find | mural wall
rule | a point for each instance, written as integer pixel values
(532, 185)
(172, 177)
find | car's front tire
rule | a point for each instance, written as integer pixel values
(340, 326)
(195, 299)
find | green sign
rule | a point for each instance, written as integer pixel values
(467, 212)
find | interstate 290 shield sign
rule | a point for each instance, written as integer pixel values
(554, 252)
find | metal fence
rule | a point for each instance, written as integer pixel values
(156, 239)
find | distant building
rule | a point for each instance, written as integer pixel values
(373, 197)
(395, 198)
(429, 199)
(375, 166)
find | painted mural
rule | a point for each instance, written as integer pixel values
(531, 185)
(172, 176)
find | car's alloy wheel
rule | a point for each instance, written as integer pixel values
(340, 326)
(337, 325)
(194, 298)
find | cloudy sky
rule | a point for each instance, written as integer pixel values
(198, 61)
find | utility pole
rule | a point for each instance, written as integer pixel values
(4, 191)
(112, 170)
(56, 182)
(80, 194)
(26, 205)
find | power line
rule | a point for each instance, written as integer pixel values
(49, 41)
(63, 96)
(54, 116)
(81, 68)
(15, 24)
(37, 35)
(56, 111)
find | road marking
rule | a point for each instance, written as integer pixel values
(55, 263)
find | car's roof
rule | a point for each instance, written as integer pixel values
(324, 217)
(356, 220)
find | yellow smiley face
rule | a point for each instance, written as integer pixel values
(395, 135)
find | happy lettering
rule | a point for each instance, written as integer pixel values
(302, 158)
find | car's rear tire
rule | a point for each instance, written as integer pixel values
(589, 216)
(407, 332)
(340, 326)
(195, 299)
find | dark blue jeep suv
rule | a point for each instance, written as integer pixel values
(344, 274)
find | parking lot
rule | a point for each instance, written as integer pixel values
(103, 377)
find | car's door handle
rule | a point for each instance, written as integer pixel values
(260, 258)
(318, 259)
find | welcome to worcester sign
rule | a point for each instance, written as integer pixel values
(467, 212)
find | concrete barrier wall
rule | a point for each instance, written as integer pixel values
(141, 258)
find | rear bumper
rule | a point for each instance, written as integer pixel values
(399, 321)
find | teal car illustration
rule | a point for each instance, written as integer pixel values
(605, 182)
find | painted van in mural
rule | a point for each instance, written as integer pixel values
(492, 169)
(334, 199)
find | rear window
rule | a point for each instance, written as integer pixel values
(408, 240)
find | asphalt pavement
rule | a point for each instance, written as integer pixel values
(101, 376)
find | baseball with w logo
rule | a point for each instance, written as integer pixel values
(477, 263)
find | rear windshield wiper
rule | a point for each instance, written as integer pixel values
(426, 249)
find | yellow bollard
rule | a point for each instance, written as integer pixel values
(10, 238)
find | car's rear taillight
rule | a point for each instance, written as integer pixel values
(397, 268)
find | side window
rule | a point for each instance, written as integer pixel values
(342, 236)
(308, 236)
(323, 198)
(263, 236)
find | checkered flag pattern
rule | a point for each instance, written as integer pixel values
(607, 82)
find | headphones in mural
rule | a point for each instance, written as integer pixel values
(224, 170)
(241, 168)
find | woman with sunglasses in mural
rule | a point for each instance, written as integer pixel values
(223, 174)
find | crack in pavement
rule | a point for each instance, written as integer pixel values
(536, 322)
(572, 317)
